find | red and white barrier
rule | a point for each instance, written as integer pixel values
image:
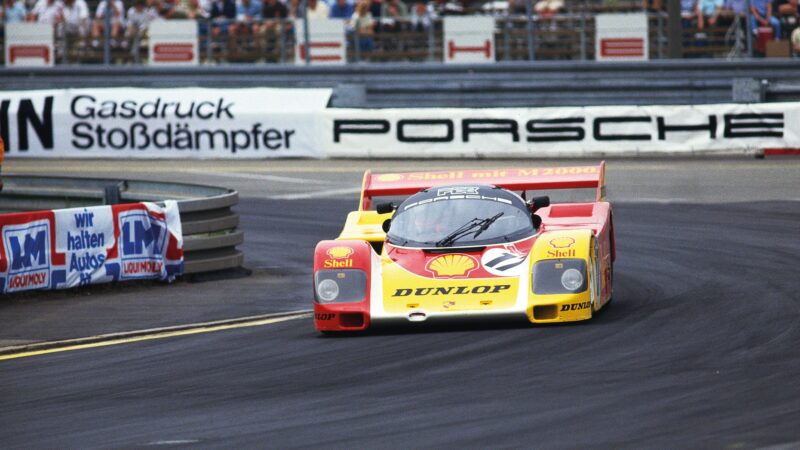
(173, 43)
(64, 248)
(327, 42)
(469, 39)
(621, 37)
(29, 45)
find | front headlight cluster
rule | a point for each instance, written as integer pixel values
(340, 286)
(559, 276)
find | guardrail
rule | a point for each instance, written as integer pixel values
(210, 233)
(528, 84)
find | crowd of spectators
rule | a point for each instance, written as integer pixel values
(230, 18)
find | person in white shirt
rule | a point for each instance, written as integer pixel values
(76, 18)
(47, 11)
(139, 17)
(317, 9)
(117, 21)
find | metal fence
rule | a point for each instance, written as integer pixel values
(562, 37)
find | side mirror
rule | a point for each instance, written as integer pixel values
(538, 202)
(384, 208)
(386, 224)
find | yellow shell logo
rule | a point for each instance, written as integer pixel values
(562, 242)
(339, 252)
(455, 265)
(389, 177)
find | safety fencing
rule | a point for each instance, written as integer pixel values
(209, 225)
(510, 37)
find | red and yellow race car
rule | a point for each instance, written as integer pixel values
(463, 244)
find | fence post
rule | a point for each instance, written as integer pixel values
(583, 35)
(282, 40)
(506, 39)
(107, 34)
(209, 42)
(529, 29)
(431, 40)
(356, 49)
(748, 29)
(137, 59)
(307, 47)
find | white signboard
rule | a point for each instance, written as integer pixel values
(621, 37)
(326, 42)
(29, 45)
(164, 123)
(469, 39)
(561, 132)
(173, 43)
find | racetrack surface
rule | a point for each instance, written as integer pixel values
(698, 349)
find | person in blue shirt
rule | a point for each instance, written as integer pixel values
(342, 9)
(13, 11)
(708, 12)
(761, 11)
(248, 16)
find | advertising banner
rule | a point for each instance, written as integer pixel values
(29, 45)
(164, 123)
(561, 132)
(173, 43)
(469, 39)
(65, 248)
(621, 37)
(326, 42)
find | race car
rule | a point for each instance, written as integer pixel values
(465, 244)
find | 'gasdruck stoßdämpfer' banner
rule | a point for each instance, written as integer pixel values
(164, 123)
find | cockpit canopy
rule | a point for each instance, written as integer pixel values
(460, 216)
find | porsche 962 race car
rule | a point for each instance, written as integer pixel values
(463, 243)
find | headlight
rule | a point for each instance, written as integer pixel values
(327, 290)
(340, 286)
(559, 276)
(571, 279)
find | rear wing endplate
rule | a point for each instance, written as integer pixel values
(514, 179)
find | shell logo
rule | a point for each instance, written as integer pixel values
(389, 177)
(453, 265)
(339, 252)
(562, 242)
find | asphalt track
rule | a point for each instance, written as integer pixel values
(699, 349)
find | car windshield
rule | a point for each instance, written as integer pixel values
(482, 218)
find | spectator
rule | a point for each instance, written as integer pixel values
(195, 10)
(445, 8)
(708, 11)
(341, 10)
(248, 17)
(117, 21)
(138, 19)
(46, 11)
(76, 19)
(737, 7)
(293, 10)
(222, 13)
(548, 8)
(363, 24)
(421, 17)
(653, 5)
(318, 9)
(273, 12)
(688, 10)
(761, 11)
(391, 12)
(13, 11)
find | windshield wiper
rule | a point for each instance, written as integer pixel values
(467, 228)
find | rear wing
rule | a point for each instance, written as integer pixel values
(522, 179)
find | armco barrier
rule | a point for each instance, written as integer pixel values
(397, 85)
(210, 233)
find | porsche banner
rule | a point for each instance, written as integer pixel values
(65, 248)
(562, 132)
(164, 123)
